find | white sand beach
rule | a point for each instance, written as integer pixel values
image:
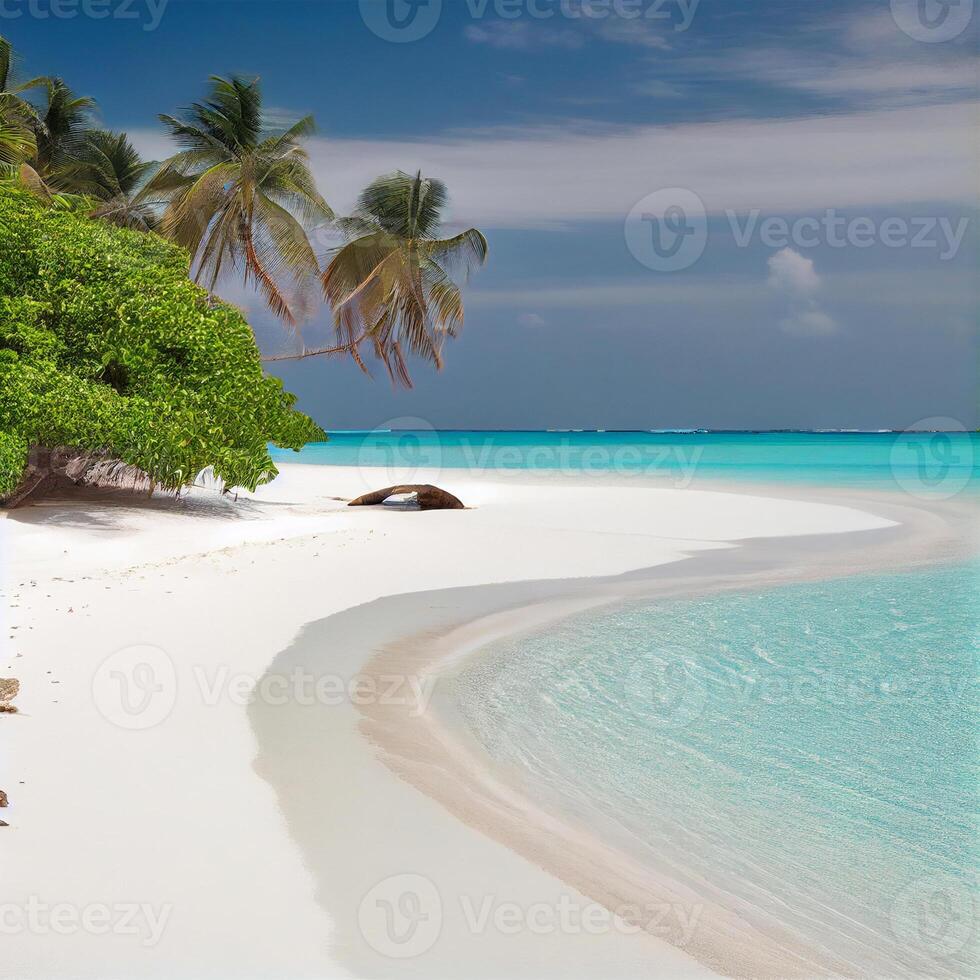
(149, 845)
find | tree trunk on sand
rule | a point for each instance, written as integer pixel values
(428, 497)
(61, 468)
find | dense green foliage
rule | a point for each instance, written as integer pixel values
(242, 199)
(105, 344)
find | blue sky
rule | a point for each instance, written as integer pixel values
(830, 146)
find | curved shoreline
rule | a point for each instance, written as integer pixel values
(305, 817)
(431, 755)
(459, 774)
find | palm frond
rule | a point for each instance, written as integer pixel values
(235, 195)
(389, 284)
(461, 251)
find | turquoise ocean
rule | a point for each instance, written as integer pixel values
(806, 755)
(927, 462)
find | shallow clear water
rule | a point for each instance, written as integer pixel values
(923, 462)
(807, 755)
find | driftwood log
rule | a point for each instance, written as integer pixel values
(428, 497)
(9, 688)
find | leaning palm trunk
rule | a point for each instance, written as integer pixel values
(391, 286)
(238, 196)
(50, 470)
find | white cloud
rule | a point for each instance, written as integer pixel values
(863, 58)
(795, 275)
(658, 89)
(633, 32)
(528, 34)
(872, 290)
(809, 323)
(531, 320)
(788, 270)
(896, 82)
(520, 35)
(546, 176)
(875, 30)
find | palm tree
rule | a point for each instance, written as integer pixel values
(61, 130)
(17, 142)
(239, 195)
(109, 169)
(391, 283)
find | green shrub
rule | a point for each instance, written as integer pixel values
(106, 345)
